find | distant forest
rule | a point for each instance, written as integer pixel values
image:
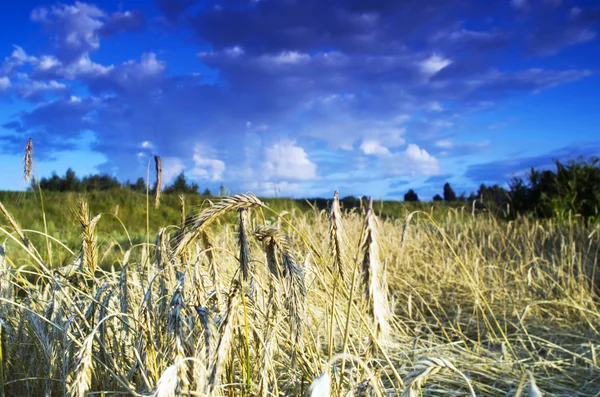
(573, 188)
(72, 183)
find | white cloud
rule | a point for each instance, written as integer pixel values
(146, 145)
(519, 4)
(33, 88)
(207, 167)
(421, 161)
(171, 168)
(374, 147)
(49, 66)
(411, 161)
(4, 83)
(76, 27)
(47, 62)
(444, 144)
(285, 160)
(434, 64)
(287, 58)
(235, 51)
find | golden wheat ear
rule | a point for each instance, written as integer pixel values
(158, 164)
(28, 160)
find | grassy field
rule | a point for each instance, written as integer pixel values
(254, 298)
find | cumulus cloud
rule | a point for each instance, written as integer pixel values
(373, 147)
(411, 161)
(4, 83)
(171, 168)
(286, 160)
(78, 27)
(34, 90)
(433, 64)
(205, 166)
(338, 77)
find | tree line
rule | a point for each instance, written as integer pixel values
(572, 188)
(70, 182)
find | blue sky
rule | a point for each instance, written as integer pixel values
(300, 97)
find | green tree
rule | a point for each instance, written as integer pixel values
(139, 185)
(411, 196)
(180, 185)
(71, 182)
(449, 194)
(437, 197)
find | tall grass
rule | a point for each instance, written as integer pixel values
(239, 299)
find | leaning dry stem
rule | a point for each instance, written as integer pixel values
(198, 223)
(158, 164)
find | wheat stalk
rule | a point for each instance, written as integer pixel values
(158, 164)
(373, 278)
(197, 224)
(14, 224)
(226, 336)
(167, 383)
(293, 278)
(83, 372)
(425, 368)
(335, 241)
(28, 160)
(89, 249)
(213, 270)
(243, 243)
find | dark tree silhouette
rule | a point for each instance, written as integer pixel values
(449, 194)
(411, 196)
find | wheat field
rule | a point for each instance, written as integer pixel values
(239, 300)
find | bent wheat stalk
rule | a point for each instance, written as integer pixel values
(197, 224)
(425, 368)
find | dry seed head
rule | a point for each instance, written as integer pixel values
(89, 248)
(373, 276)
(158, 163)
(335, 229)
(197, 224)
(167, 383)
(321, 386)
(425, 368)
(83, 372)
(28, 160)
(534, 391)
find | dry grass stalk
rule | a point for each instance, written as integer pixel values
(243, 243)
(158, 164)
(89, 248)
(14, 224)
(182, 210)
(206, 329)
(405, 230)
(226, 329)
(83, 372)
(123, 285)
(534, 391)
(293, 277)
(167, 383)
(321, 386)
(375, 287)
(213, 270)
(28, 161)
(335, 241)
(425, 368)
(175, 327)
(198, 223)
